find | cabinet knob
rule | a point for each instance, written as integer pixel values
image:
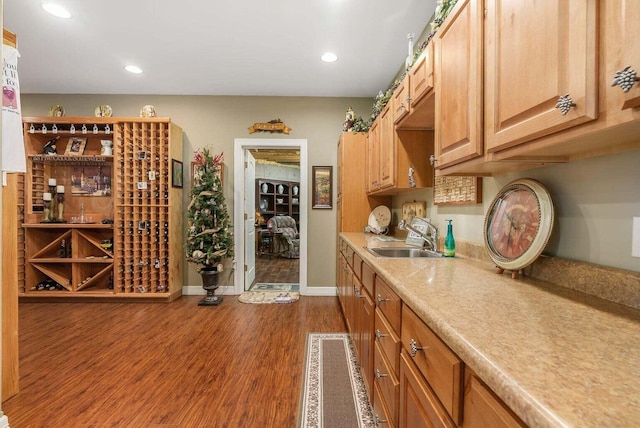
(565, 103)
(414, 348)
(625, 78)
(401, 107)
(380, 335)
(432, 160)
(381, 299)
(379, 374)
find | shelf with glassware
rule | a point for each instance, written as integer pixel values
(100, 207)
(277, 197)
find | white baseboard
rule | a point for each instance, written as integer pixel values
(321, 291)
(4, 421)
(197, 290)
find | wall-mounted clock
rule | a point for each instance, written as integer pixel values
(518, 224)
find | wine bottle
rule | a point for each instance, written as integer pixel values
(63, 250)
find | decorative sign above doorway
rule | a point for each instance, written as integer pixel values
(275, 125)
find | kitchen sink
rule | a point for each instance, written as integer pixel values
(402, 252)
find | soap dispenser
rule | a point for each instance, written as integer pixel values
(449, 242)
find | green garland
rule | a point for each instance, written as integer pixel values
(382, 99)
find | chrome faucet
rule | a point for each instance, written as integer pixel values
(431, 239)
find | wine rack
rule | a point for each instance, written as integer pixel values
(122, 217)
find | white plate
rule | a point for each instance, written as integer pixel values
(379, 219)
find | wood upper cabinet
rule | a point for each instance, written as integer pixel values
(387, 149)
(421, 76)
(401, 100)
(622, 54)
(535, 53)
(420, 113)
(373, 157)
(458, 87)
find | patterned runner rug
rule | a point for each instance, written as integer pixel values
(334, 394)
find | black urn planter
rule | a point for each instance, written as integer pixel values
(210, 284)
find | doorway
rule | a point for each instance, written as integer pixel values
(244, 208)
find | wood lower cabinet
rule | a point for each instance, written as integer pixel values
(113, 225)
(482, 409)
(440, 367)
(419, 407)
(458, 87)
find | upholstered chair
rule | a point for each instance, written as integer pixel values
(289, 238)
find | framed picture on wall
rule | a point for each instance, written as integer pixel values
(75, 146)
(322, 191)
(176, 173)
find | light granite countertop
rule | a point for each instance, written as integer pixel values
(555, 356)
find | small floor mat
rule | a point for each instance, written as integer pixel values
(266, 297)
(274, 286)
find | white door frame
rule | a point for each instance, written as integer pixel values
(240, 144)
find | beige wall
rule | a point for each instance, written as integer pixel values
(217, 121)
(595, 201)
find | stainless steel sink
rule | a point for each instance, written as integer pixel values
(402, 252)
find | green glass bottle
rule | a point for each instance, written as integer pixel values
(449, 242)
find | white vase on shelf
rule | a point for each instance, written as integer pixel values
(295, 190)
(264, 187)
(280, 189)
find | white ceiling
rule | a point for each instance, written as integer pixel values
(215, 47)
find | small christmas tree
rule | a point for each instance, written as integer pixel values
(209, 238)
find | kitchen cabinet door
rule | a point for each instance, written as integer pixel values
(458, 93)
(387, 149)
(622, 54)
(373, 157)
(535, 53)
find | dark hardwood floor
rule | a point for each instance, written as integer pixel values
(277, 269)
(165, 364)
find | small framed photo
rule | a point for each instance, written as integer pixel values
(322, 183)
(75, 146)
(176, 173)
(142, 155)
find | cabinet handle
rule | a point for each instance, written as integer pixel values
(379, 421)
(625, 78)
(408, 99)
(565, 103)
(381, 299)
(401, 107)
(432, 160)
(414, 348)
(380, 335)
(380, 374)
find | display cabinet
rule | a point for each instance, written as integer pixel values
(277, 197)
(103, 208)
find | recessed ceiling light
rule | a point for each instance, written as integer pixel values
(56, 10)
(133, 69)
(329, 57)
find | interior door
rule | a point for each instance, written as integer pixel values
(249, 219)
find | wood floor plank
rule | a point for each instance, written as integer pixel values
(164, 364)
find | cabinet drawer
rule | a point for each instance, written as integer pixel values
(388, 384)
(381, 416)
(357, 266)
(368, 277)
(419, 407)
(388, 340)
(388, 302)
(348, 254)
(438, 364)
(482, 408)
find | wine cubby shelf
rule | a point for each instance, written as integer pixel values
(119, 232)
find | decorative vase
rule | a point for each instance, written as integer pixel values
(210, 284)
(264, 188)
(295, 190)
(280, 189)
